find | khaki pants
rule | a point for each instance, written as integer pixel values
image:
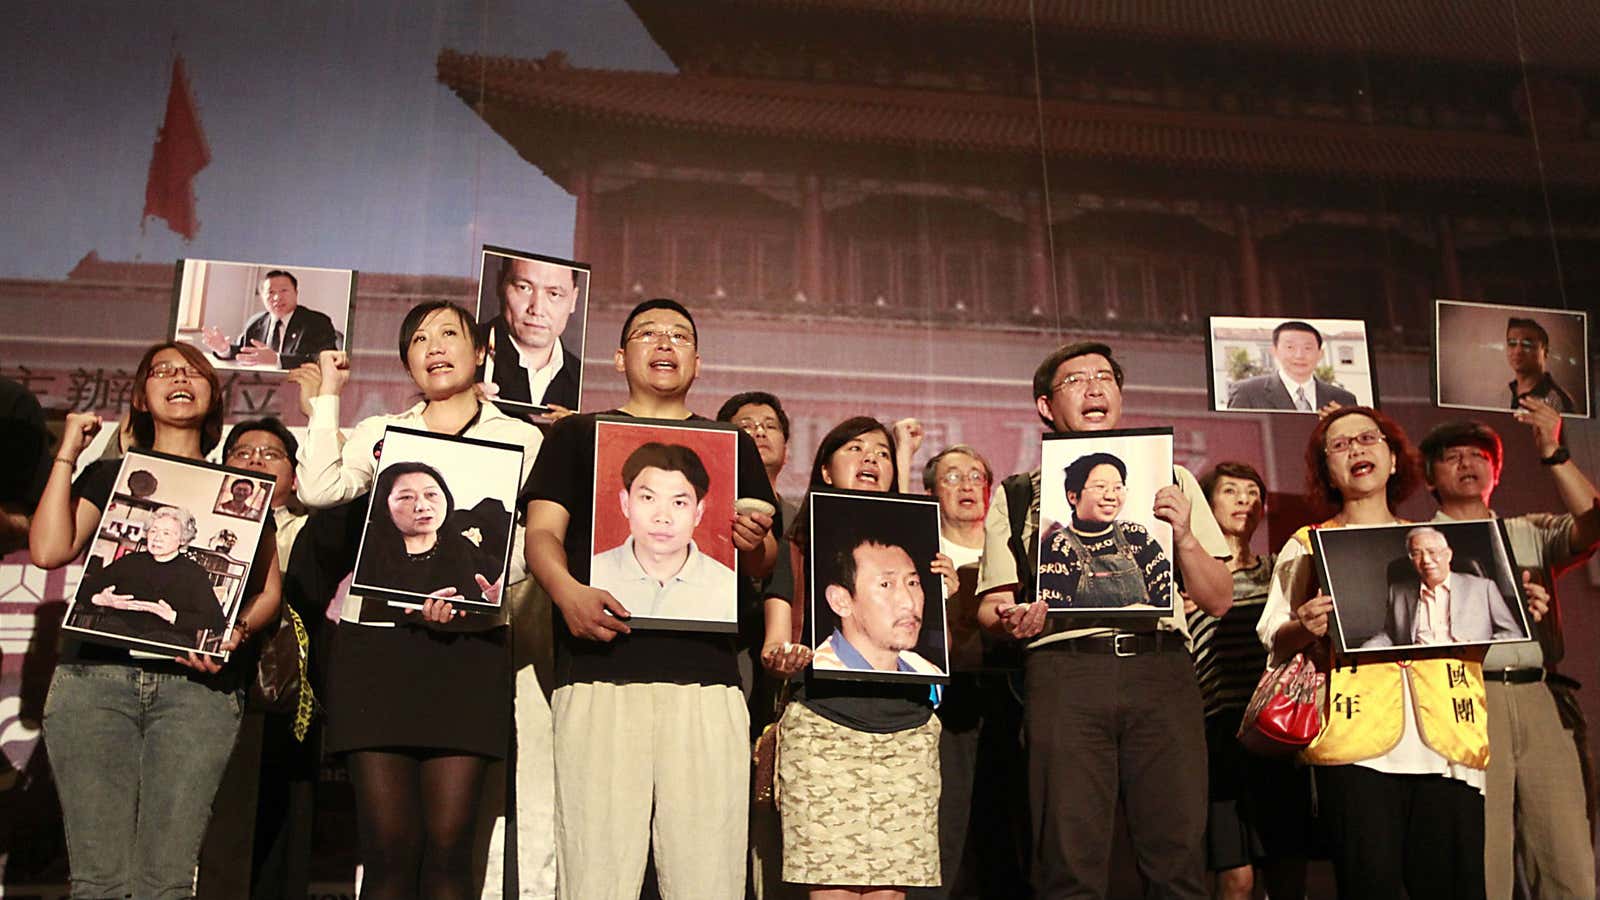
(623, 750)
(1534, 801)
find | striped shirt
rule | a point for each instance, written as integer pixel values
(1227, 654)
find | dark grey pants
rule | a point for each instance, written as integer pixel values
(1100, 728)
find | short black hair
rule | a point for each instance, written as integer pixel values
(271, 425)
(656, 303)
(385, 486)
(844, 558)
(1296, 325)
(1232, 469)
(279, 273)
(1045, 374)
(506, 263)
(1076, 474)
(420, 314)
(668, 458)
(1531, 325)
(738, 401)
(1460, 433)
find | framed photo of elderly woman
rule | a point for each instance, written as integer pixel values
(876, 606)
(1490, 357)
(1102, 551)
(663, 522)
(1421, 586)
(166, 570)
(440, 520)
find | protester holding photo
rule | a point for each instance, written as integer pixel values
(410, 547)
(138, 747)
(1401, 757)
(652, 741)
(419, 702)
(156, 594)
(848, 751)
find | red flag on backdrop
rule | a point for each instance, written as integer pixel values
(180, 153)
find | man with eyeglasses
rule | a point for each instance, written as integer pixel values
(1528, 354)
(651, 731)
(264, 807)
(1440, 606)
(1534, 806)
(1113, 709)
(760, 415)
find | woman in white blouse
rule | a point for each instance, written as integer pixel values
(1401, 757)
(419, 704)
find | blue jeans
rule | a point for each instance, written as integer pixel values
(137, 757)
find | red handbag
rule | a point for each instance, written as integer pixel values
(1285, 712)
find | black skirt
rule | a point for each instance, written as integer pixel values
(410, 687)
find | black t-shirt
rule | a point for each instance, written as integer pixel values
(564, 474)
(180, 581)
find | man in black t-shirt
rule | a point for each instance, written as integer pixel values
(647, 724)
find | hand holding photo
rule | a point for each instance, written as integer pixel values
(440, 520)
(168, 567)
(261, 316)
(1103, 552)
(1410, 587)
(1492, 357)
(533, 309)
(877, 604)
(663, 522)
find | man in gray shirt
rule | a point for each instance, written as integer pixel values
(1534, 802)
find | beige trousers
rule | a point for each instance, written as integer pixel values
(642, 766)
(1533, 806)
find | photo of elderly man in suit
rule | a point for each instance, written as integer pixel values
(1440, 606)
(1292, 386)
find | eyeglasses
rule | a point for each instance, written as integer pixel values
(265, 454)
(953, 478)
(654, 336)
(1521, 344)
(1079, 381)
(754, 425)
(164, 371)
(1369, 438)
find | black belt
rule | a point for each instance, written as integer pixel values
(1132, 643)
(1515, 676)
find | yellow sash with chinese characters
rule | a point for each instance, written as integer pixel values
(1363, 717)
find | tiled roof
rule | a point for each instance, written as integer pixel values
(1554, 33)
(949, 121)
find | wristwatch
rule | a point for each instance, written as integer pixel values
(1561, 455)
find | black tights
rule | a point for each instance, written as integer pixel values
(415, 813)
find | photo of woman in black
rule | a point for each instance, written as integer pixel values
(409, 549)
(155, 594)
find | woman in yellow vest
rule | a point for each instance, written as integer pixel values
(1401, 758)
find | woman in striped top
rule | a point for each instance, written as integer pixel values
(1259, 807)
